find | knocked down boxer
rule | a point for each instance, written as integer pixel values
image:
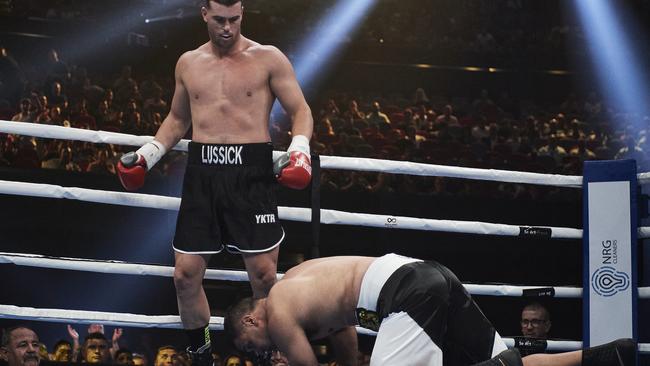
(422, 314)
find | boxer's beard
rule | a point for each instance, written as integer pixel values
(222, 43)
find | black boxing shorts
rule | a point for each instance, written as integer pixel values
(228, 200)
(423, 315)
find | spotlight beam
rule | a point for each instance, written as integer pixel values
(117, 25)
(317, 50)
(615, 57)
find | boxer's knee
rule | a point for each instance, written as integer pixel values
(262, 271)
(265, 278)
(185, 279)
(188, 276)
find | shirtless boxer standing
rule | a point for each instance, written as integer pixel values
(422, 314)
(225, 90)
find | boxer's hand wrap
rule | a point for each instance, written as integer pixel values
(293, 168)
(133, 166)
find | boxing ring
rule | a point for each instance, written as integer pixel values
(325, 216)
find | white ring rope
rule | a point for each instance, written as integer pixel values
(552, 346)
(89, 195)
(327, 162)
(518, 291)
(106, 318)
(332, 217)
(411, 168)
(79, 134)
(120, 267)
(643, 178)
(112, 267)
(643, 232)
(174, 322)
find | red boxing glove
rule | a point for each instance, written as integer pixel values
(293, 169)
(131, 169)
(133, 166)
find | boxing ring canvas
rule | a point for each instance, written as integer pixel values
(610, 251)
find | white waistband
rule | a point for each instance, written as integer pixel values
(376, 276)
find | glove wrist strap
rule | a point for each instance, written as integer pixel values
(152, 152)
(299, 143)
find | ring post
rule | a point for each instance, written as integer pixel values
(609, 251)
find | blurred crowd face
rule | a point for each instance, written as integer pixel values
(96, 351)
(22, 348)
(167, 356)
(138, 360)
(42, 352)
(217, 358)
(25, 106)
(55, 113)
(234, 361)
(124, 358)
(57, 89)
(62, 353)
(535, 323)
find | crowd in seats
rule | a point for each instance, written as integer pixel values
(479, 131)
(22, 346)
(62, 95)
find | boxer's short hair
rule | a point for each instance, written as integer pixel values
(224, 2)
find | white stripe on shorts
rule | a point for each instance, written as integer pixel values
(499, 345)
(376, 276)
(402, 342)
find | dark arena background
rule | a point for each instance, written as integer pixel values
(520, 85)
